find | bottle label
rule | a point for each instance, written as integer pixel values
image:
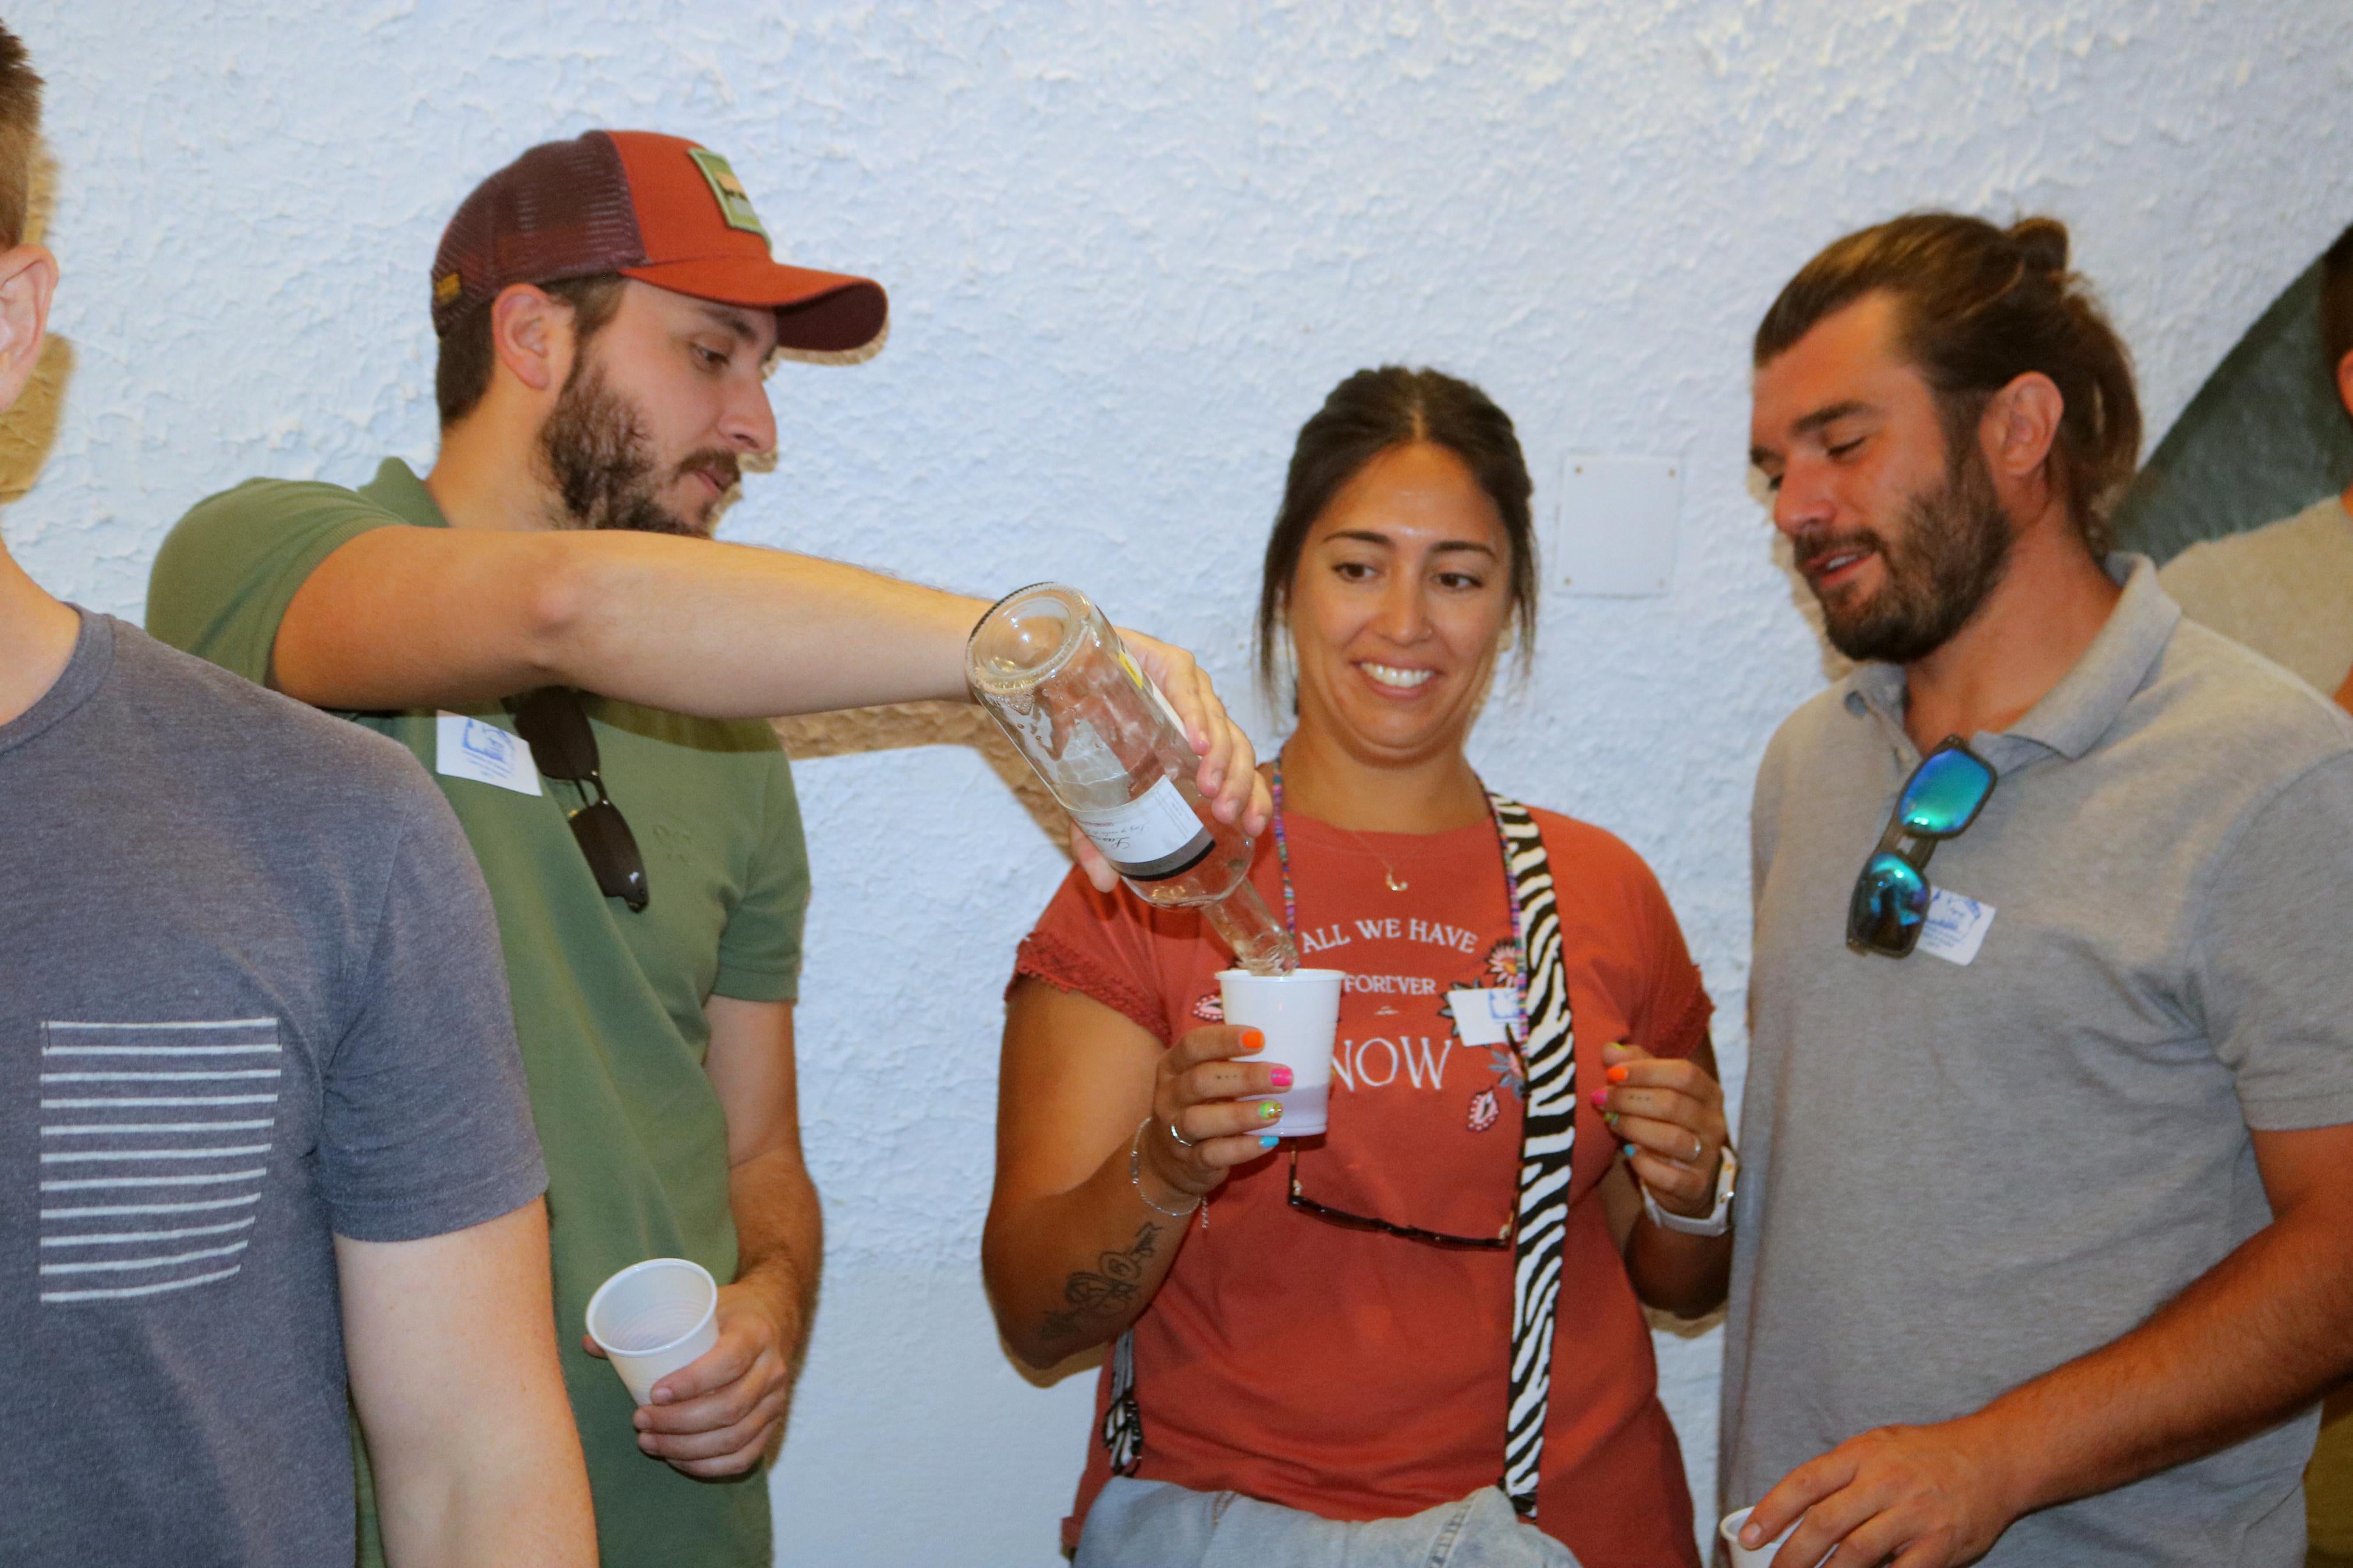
(1152, 836)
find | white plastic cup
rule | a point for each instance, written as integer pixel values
(1299, 1013)
(1750, 1556)
(653, 1318)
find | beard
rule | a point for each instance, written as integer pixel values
(601, 462)
(1950, 555)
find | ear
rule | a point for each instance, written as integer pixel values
(2345, 382)
(2020, 427)
(530, 333)
(28, 280)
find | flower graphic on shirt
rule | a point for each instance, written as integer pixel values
(1511, 1072)
(1504, 963)
(1211, 1009)
(1484, 1111)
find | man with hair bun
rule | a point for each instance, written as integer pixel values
(269, 1155)
(2044, 1250)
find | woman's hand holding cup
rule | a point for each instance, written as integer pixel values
(1206, 1119)
(1670, 1116)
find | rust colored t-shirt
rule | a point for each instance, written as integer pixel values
(1360, 1375)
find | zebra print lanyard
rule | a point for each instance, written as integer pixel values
(1547, 1140)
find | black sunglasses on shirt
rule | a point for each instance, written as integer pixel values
(1306, 1205)
(562, 746)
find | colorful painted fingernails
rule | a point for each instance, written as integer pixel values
(1268, 1110)
(1282, 1077)
(1268, 1140)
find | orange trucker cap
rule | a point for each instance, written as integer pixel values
(653, 207)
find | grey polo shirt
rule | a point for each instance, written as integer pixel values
(1959, 1177)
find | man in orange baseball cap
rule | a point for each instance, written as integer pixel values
(574, 222)
(546, 622)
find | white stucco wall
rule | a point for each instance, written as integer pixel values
(1129, 247)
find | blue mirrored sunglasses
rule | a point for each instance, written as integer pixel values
(1941, 799)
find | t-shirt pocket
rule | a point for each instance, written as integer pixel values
(154, 1145)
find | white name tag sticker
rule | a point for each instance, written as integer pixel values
(467, 748)
(1956, 926)
(1485, 1016)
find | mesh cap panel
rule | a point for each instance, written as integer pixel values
(561, 210)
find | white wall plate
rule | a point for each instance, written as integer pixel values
(1615, 534)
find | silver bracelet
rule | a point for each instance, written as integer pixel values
(1136, 1175)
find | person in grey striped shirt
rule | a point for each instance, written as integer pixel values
(265, 1153)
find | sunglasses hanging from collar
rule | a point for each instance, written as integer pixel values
(1888, 907)
(564, 746)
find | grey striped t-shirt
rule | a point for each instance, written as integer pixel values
(250, 999)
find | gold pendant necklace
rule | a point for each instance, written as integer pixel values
(1396, 883)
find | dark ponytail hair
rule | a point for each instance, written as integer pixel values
(1978, 306)
(1367, 415)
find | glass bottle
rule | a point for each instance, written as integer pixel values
(1051, 672)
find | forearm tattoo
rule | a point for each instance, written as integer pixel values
(1106, 1291)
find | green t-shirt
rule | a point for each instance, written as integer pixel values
(608, 1004)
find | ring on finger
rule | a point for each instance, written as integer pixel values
(1182, 1141)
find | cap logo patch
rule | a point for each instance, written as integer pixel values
(734, 204)
(446, 288)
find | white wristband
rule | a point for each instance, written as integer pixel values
(1718, 1219)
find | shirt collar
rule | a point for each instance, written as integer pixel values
(398, 490)
(2089, 699)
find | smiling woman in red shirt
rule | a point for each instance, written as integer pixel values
(1422, 1331)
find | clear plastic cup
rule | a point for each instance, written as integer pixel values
(1749, 1556)
(653, 1318)
(1299, 1013)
